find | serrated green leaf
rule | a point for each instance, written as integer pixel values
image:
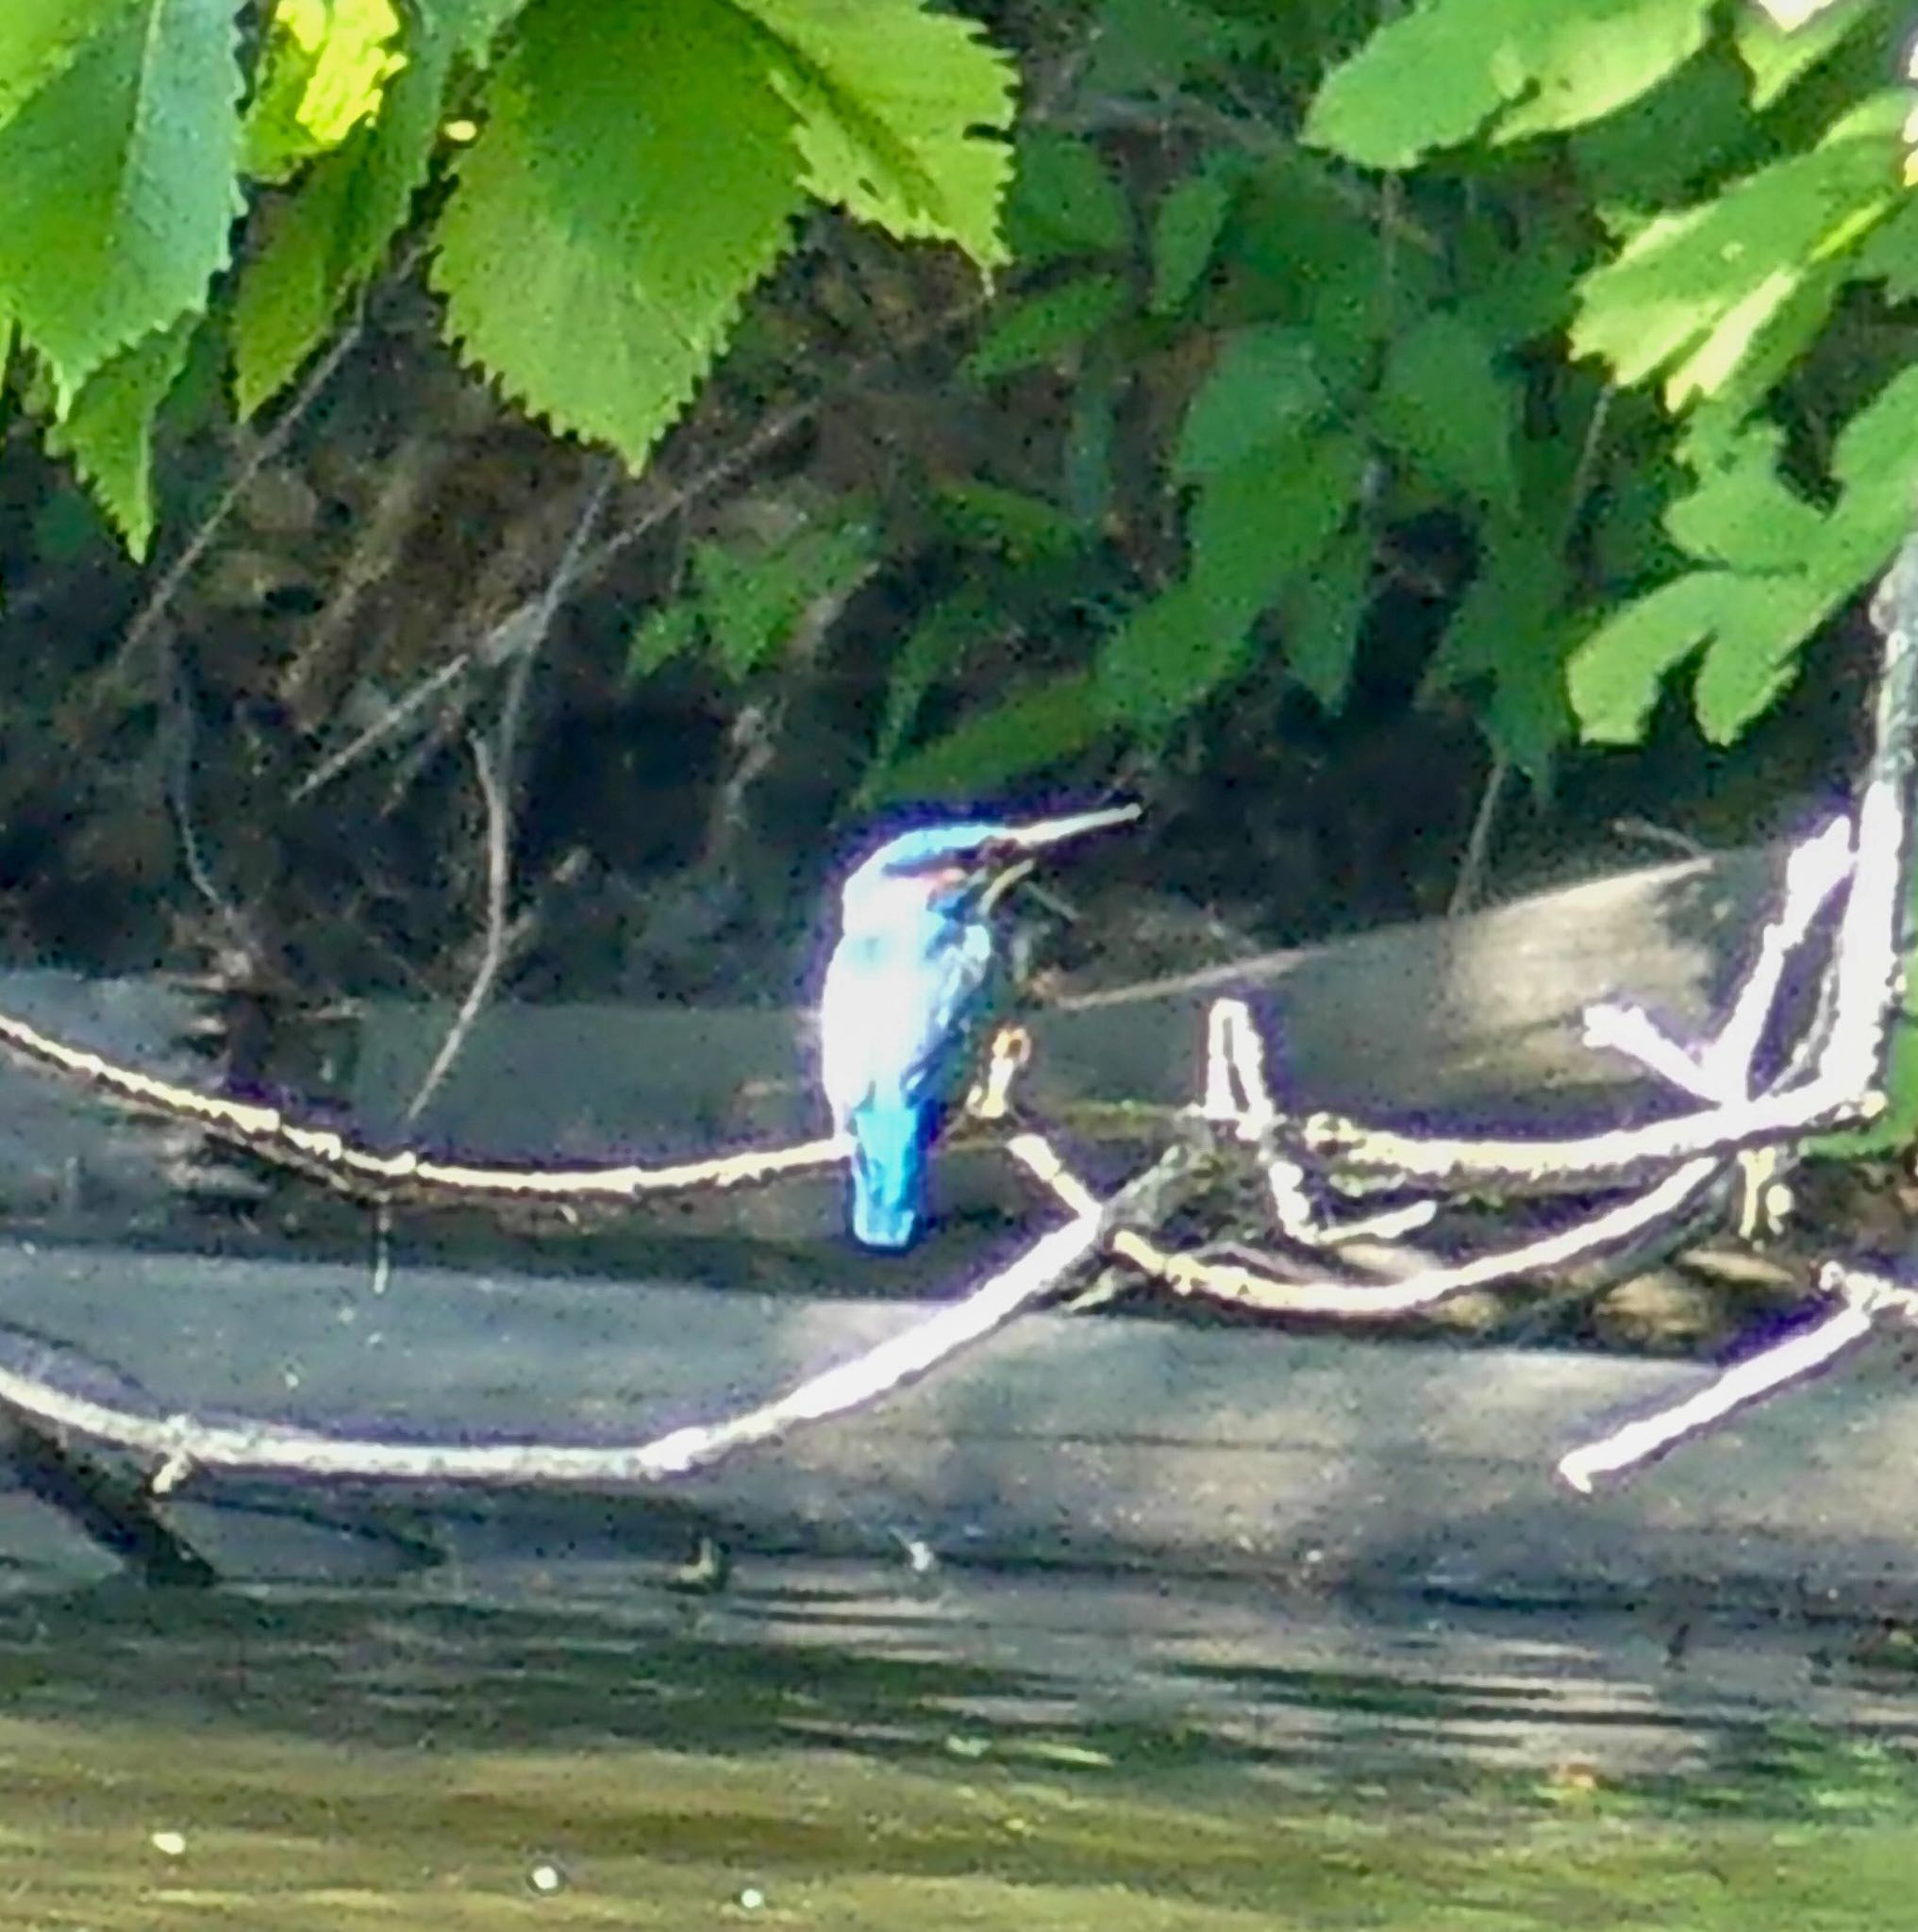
(108, 431)
(1025, 732)
(1170, 656)
(1186, 230)
(1260, 523)
(1587, 61)
(600, 242)
(40, 38)
(661, 636)
(1776, 57)
(1709, 279)
(1026, 528)
(121, 186)
(1742, 513)
(900, 115)
(1445, 406)
(1614, 675)
(327, 65)
(1063, 201)
(1427, 79)
(1263, 386)
(1320, 613)
(326, 240)
(1041, 328)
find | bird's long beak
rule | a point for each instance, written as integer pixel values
(1044, 832)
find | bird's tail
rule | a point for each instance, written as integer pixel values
(889, 1159)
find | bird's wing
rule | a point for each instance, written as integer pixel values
(897, 1021)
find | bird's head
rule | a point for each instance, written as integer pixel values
(953, 869)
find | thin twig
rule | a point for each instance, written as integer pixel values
(498, 873)
(182, 1443)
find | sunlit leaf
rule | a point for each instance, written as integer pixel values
(1742, 513)
(108, 431)
(1615, 676)
(1429, 78)
(584, 261)
(1723, 268)
(900, 114)
(325, 238)
(328, 64)
(1587, 60)
(118, 158)
(1777, 57)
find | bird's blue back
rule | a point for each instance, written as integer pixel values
(906, 993)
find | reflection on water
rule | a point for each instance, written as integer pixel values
(838, 1747)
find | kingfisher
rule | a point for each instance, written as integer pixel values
(907, 991)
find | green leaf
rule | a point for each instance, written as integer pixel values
(1507, 627)
(1429, 78)
(121, 180)
(1033, 729)
(1589, 60)
(1063, 201)
(1045, 327)
(1263, 386)
(937, 646)
(1754, 656)
(1444, 405)
(1170, 656)
(1150, 46)
(1022, 528)
(900, 115)
(661, 636)
(1186, 230)
(1704, 282)
(108, 431)
(1319, 614)
(1776, 57)
(600, 241)
(1743, 512)
(327, 239)
(39, 38)
(1613, 676)
(752, 602)
(327, 66)
(1265, 520)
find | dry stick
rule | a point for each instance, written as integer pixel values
(183, 1443)
(1843, 1087)
(499, 871)
(268, 446)
(1613, 1227)
(1751, 1381)
(1812, 874)
(362, 1174)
